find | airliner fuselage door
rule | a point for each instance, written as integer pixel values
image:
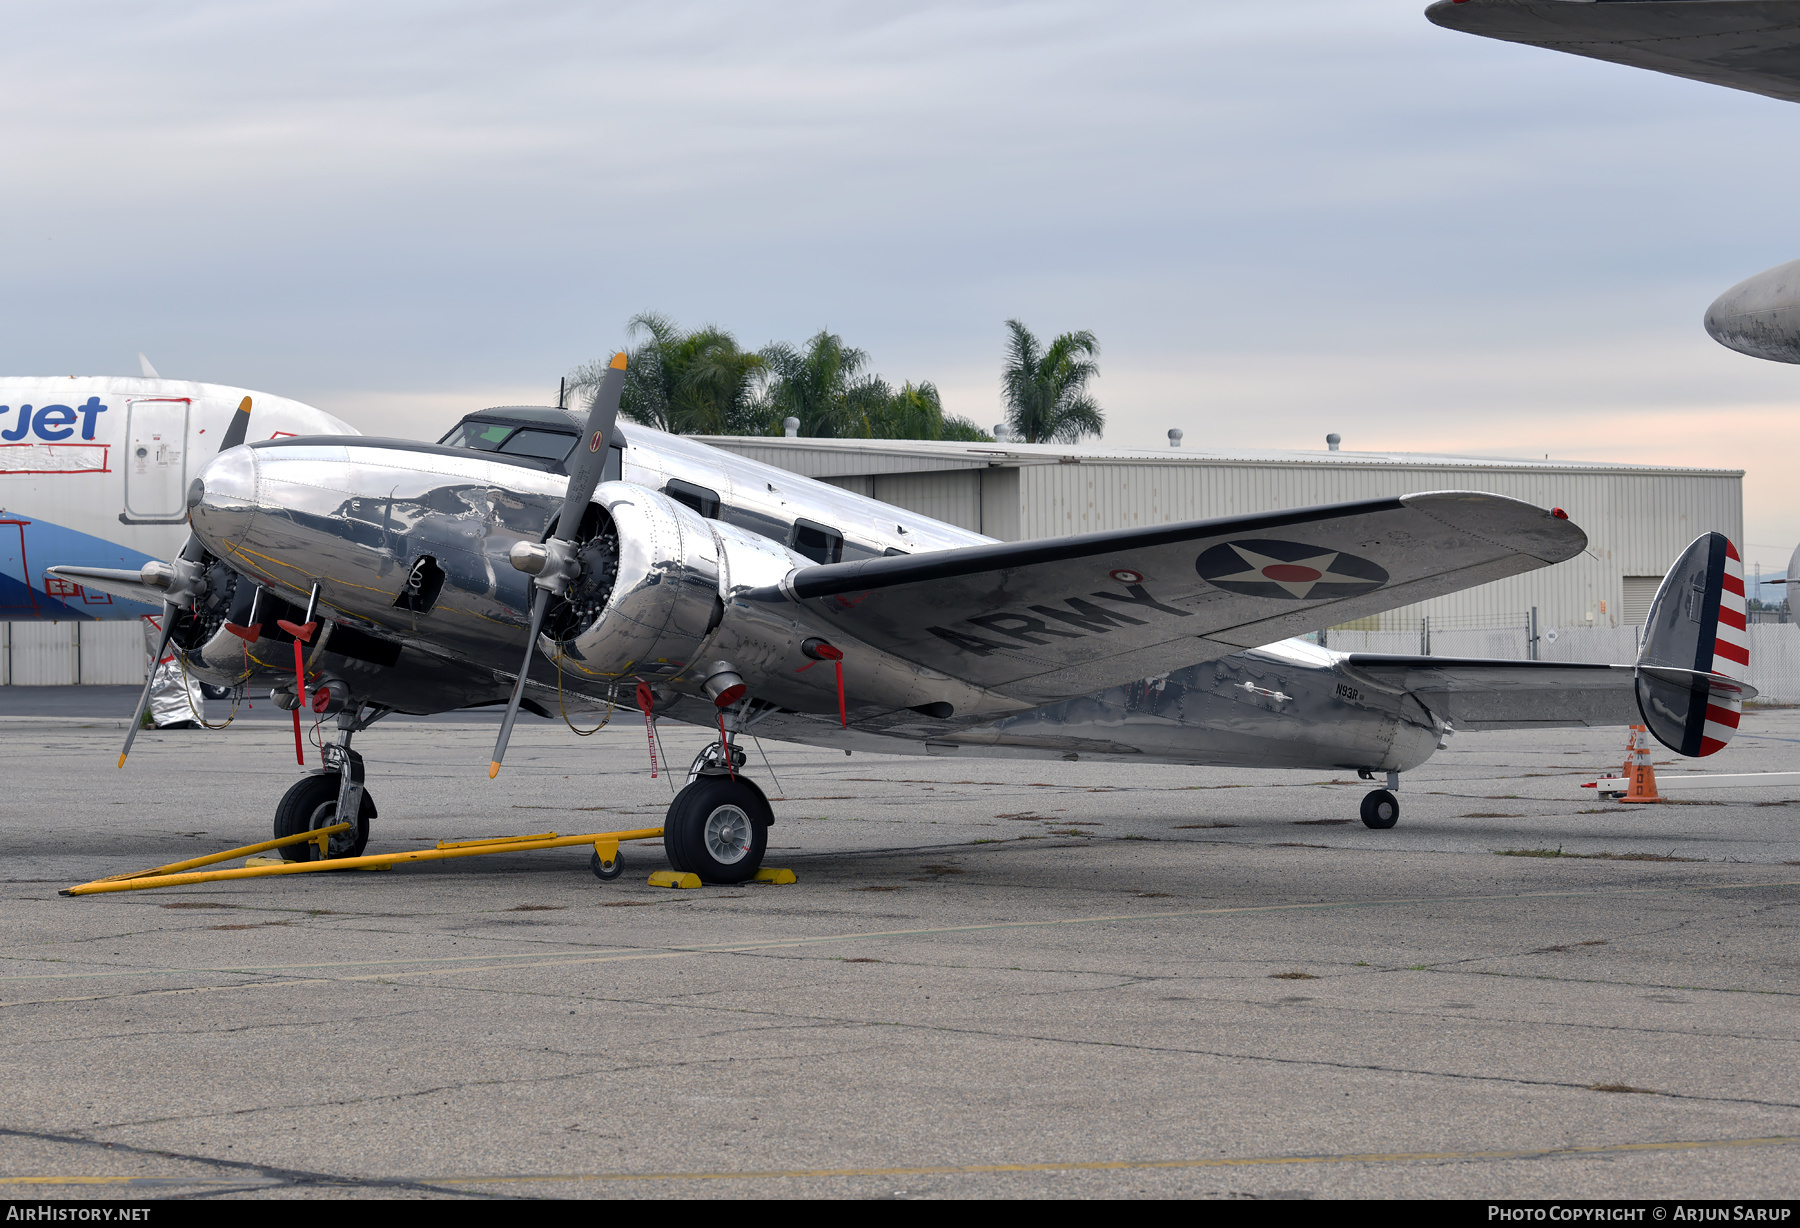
(156, 458)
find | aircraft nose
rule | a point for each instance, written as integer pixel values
(222, 500)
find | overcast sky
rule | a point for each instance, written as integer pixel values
(1280, 219)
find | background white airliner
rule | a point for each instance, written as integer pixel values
(94, 471)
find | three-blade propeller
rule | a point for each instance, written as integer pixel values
(183, 591)
(554, 563)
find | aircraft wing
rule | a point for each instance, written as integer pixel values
(1044, 620)
(1482, 694)
(1749, 45)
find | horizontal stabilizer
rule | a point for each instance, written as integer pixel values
(1471, 694)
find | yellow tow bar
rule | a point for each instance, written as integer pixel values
(184, 873)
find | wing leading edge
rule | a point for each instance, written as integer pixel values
(1046, 620)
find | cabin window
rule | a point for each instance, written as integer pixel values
(817, 542)
(546, 445)
(702, 500)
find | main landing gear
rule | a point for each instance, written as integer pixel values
(318, 797)
(718, 828)
(1380, 808)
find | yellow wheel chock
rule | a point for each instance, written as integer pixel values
(185, 873)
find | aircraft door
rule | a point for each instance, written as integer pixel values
(156, 458)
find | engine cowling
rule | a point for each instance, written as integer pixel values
(663, 597)
(654, 593)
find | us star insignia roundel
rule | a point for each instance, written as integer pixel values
(1290, 571)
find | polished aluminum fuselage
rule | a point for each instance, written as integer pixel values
(354, 516)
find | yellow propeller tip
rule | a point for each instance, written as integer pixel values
(493, 768)
(618, 361)
(244, 406)
(121, 760)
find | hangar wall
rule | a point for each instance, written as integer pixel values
(66, 653)
(1638, 518)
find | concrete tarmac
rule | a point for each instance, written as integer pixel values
(993, 978)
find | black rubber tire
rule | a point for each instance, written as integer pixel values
(672, 835)
(600, 869)
(301, 803)
(684, 829)
(1380, 809)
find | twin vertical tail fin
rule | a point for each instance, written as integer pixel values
(1693, 670)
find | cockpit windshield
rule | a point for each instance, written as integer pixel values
(482, 436)
(550, 445)
(535, 434)
(512, 439)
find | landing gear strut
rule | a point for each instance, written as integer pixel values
(1380, 808)
(318, 797)
(711, 759)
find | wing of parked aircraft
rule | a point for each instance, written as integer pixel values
(1751, 45)
(1045, 620)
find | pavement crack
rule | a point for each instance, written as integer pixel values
(272, 1174)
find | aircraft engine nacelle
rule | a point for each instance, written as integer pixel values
(653, 601)
(1760, 316)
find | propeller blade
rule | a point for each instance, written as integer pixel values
(162, 646)
(589, 462)
(539, 604)
(240, 424)
(585, 472)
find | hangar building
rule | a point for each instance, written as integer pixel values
(1638, 518)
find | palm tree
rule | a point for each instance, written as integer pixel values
(701, 383)
(820, 386)
(915, 411)
(686, 383)
(1045, 389)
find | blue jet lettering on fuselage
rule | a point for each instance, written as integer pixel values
(53, 422)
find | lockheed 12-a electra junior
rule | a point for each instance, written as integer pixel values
(550, 562)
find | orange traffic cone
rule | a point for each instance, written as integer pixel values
(1642, 776)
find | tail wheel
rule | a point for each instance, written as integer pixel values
(312, 804)
(1380, 809)
(718, 828)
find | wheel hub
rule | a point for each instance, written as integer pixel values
(341, 842)
(728, 834)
